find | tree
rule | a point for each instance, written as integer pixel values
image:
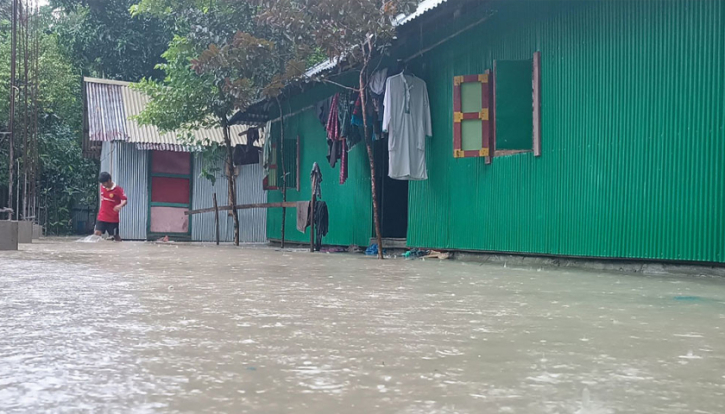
(220, 62)
(105, 40)
(354, 30)
(64, 178)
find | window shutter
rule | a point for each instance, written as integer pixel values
(471, 116)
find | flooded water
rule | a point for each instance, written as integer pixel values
(173, 328)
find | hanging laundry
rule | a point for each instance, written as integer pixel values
(377, 81)
(377, 94)
(316, 178)
(334, 149)
(245, 156)
(267, 149)
(343, 161)
(344, 107)
(303, 215)
(357, 131)
(322, 221)
(322, 109)
(252, 137)
(407, 121)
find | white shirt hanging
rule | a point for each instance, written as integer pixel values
(406, 118)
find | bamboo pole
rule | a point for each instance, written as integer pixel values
(311, 217)
(284, 170)
(289, 204)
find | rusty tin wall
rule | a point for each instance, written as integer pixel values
(633, 143)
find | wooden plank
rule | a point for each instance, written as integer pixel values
(536, 87)
(457, 128)
(486, 124)
(492, 148)
(289, 204)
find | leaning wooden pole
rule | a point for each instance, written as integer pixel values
(311, 212)
(284, 168)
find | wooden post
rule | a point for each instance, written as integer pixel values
(216, 218)
(311, 210)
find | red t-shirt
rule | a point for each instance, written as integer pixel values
(110, 199)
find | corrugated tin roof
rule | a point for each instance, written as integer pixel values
(424, 7)
(111, 104)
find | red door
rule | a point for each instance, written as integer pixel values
(170, 194)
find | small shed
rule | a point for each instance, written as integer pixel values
(162, 175)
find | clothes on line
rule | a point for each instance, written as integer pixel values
(316, 179)
(407, 121)
(267, 150)
(243, 155)
(322, 221)
(303, 215)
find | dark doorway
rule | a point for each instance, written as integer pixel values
(392, 196)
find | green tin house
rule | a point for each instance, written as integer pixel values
(588, 129)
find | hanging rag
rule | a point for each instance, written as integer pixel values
(267, 149)
(377, 95)
(322, 108)
(303, 215)
(344, 107)
(252, 138)
(343, 161)
(245, 156)
(377, 81)
(334, 150)
(316, 178)
(322, 221)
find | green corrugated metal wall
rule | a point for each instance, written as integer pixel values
(349, 204)
(633, 135)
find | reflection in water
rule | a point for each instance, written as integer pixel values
(146, 327)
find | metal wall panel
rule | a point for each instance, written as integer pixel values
(252, 223)
(349, 204)
(633, 135)
(130, 170)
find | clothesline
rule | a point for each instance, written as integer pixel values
(306, 108)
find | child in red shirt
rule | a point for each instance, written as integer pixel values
(113, 199)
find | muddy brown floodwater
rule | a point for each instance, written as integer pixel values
(147, 328)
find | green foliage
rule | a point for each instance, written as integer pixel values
(66, 180)
(105, 40)
(212, 157)
(339, 28)
(183, 100)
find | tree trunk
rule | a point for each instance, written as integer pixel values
(371, 157)
(231, 181)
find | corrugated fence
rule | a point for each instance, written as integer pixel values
(252, 223)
